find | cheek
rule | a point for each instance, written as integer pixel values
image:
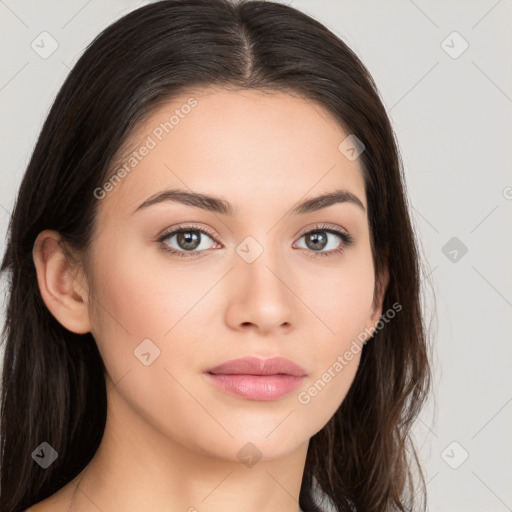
(123, 310)
(342, 297)
(344, 304)
(133, 295)
(137, 299)
(322, 395)
(336, 355)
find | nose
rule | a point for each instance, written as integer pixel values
(261, 296)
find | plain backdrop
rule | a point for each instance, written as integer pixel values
(444, 74)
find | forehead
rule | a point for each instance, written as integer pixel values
(253, 148)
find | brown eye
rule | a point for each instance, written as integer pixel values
(316, 240)
(188, 239)
(320, 237)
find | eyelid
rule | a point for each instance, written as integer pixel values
(183, 227)
(323, 227)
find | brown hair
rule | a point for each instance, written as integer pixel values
(53, 386)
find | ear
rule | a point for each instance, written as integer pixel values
(380, 292)
(59, 281)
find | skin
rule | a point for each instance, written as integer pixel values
(171, 438)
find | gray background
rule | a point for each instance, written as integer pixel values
(452, 113)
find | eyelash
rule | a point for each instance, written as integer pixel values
(347, 240)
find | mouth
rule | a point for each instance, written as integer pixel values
(257, 379)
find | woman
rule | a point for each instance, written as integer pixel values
(214, 298)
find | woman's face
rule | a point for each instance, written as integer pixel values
(258, 284)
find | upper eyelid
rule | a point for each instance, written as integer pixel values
(338, 231)
(317, 227)
(172, 231)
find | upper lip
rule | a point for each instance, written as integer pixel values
(256, 366)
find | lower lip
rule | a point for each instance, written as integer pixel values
(256, 387)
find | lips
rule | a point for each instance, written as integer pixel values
(256, 366)
(252, 378)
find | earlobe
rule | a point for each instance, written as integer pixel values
(60, 288)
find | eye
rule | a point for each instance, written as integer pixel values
(318, 238)
(189, 240)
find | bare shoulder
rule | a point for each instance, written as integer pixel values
(61, 500)
(58, 502)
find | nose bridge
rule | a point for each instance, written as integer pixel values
(261, 259)
(261, 275)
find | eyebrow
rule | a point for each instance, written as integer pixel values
(221, 206)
